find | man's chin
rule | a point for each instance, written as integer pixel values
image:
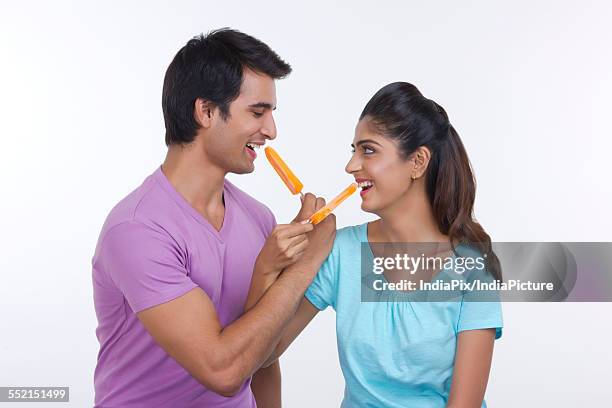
(243, 170)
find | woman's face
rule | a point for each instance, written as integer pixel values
(384, 176)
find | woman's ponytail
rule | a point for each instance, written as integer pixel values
(404, 114)
(452, 190)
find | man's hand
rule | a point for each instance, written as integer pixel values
(287, 242)
(322, 237)
(321, 241)
(284, 246)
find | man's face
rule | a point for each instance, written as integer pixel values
(250, 123)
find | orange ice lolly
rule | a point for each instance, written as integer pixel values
(325, 211)
(291, 181)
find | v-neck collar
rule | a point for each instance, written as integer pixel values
(163, 181)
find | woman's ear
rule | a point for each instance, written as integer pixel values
(422, 156)
(203, 112)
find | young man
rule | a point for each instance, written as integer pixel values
(193, 281)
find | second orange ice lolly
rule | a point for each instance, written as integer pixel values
(325, 211)
(291, 181)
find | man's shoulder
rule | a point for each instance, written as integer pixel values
(147, 204)
(125, 209)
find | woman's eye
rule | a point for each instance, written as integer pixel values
(367, 150)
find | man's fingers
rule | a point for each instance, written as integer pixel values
(292, 230)
(298, 239)
(293, 241)
(297, 249)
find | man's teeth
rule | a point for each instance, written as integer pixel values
(365, 184)
(253, 146)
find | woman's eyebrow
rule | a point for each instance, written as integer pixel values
(362, 141)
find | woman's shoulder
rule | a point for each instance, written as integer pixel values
(351, 235)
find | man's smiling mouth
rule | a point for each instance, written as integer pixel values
(253, 146)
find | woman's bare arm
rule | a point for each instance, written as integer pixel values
(472, 365)
(304, 314)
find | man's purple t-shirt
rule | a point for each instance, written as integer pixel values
(153, 248)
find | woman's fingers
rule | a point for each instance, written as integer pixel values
(320, 203)
(309, 203)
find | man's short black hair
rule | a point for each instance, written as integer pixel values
(210, 67)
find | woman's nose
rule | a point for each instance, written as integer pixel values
(353, 165)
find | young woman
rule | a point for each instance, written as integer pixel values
(415, 176)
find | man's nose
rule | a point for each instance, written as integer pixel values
(269, 127)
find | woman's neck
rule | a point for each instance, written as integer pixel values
(410, 219)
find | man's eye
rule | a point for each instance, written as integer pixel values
(258, 114)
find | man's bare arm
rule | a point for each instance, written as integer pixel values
(221, 359)
(266, 382)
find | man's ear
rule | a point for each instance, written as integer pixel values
(203, 112)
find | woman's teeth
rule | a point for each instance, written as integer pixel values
(253, 146)
(364, 185)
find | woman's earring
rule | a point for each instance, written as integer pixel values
(413, 177)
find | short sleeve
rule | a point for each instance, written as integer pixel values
(481, 309)
(144, 264)
(270, 222)
(322, 292)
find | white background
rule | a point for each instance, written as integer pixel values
(526, 84)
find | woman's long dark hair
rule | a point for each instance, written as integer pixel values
(401, 112)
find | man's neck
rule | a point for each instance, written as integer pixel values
(197, 180)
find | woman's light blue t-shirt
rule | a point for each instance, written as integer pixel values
(392, 353)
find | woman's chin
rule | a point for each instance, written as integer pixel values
(368, 207)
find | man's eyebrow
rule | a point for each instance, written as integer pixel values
(362, 141)
(264, 105)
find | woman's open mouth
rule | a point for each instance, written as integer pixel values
(365, 186)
